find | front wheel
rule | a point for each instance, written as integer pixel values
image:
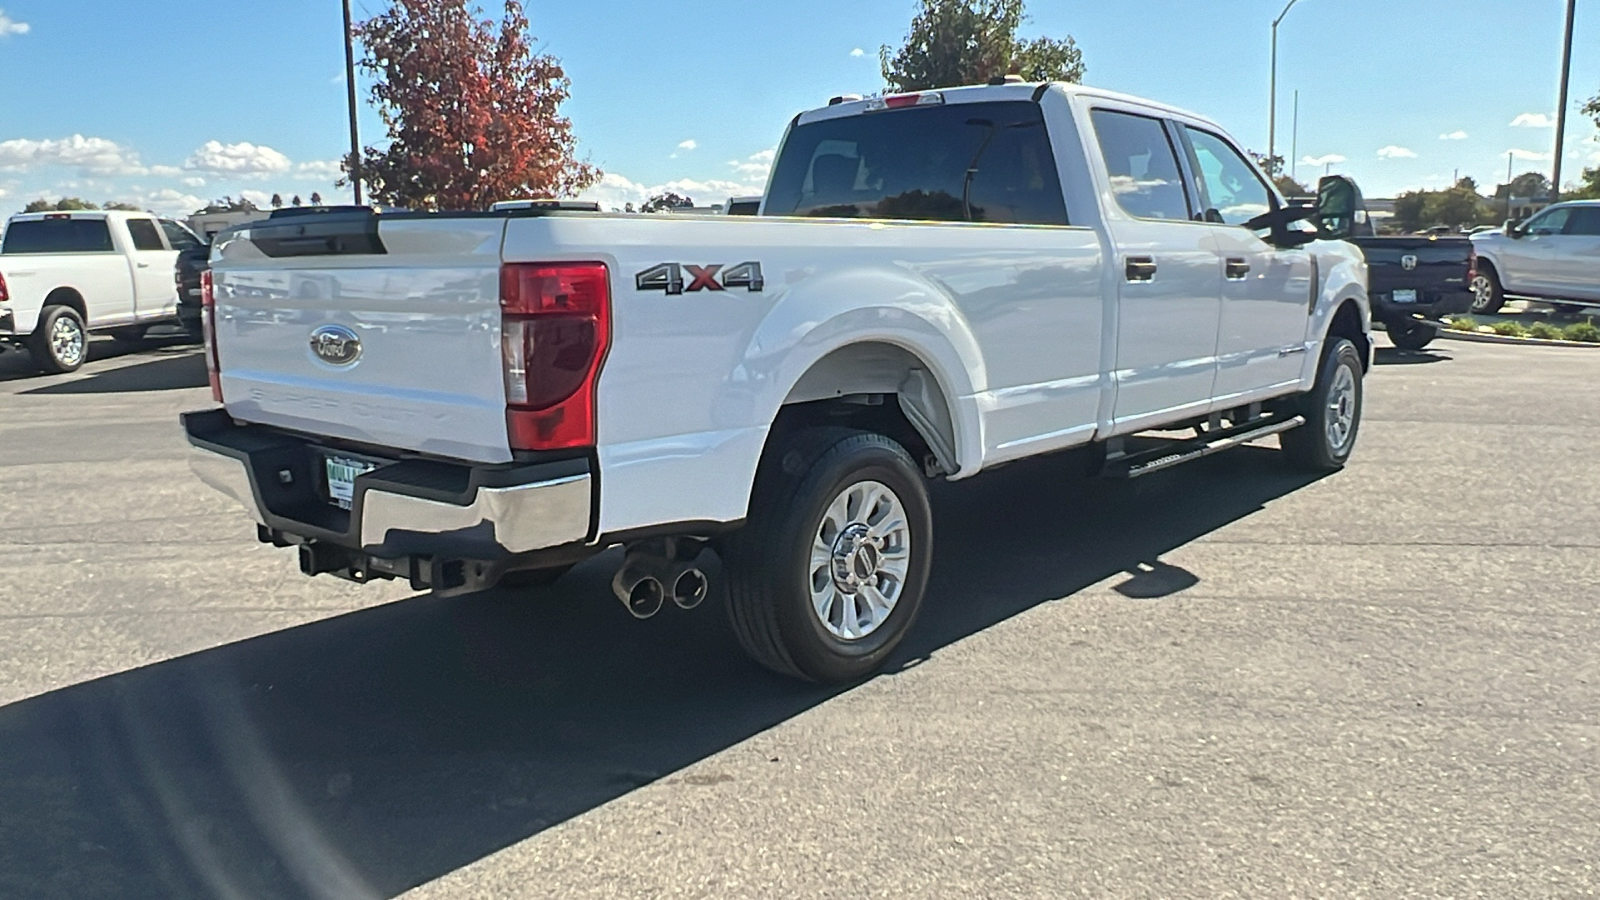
(1332, 410)
(1412, 335)
(828, 573)
(59, 343)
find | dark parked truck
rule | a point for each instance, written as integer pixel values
(1412, 280)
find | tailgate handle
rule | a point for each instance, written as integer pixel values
(1237, 269)
(1140, 268)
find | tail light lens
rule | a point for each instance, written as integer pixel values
(1472, 264)
(555, 331)
(208, 329)
(4, 293)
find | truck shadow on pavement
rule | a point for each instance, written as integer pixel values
(365, 754)
(167, 369)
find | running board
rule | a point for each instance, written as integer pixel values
(1179, 452)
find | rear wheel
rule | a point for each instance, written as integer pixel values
(59, 342)
(1412, 335)
(1332, 410)
(1487, 294)
(829, 571)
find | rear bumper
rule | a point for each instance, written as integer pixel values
(1429, 305)
(404, 508)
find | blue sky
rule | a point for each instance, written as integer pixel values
(170, 103)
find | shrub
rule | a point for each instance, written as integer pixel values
(1510, 328)
(1544, 331)
(1463, 323)
(1584, 331)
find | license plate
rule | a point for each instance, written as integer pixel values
(1405, 296)
(342, 472)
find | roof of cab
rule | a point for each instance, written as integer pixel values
(1024, 90)
(82, 214)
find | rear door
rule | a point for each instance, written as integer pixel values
(1169, 293)
(1577, 258)
(152, 265)
(1266, 290)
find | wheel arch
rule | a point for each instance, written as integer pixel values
(1347, 322)
(69, 297)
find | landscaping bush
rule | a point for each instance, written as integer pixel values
(1463, 323)
(1544, 331)
(1510, 328)
(1584, 331)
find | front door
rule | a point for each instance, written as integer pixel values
(1169, 286)
(1528, 262)
(1576, 261)
(1266, 290)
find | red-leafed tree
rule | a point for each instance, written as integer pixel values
(473, 113)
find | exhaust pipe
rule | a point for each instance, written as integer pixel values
(689, 588)
(640, 591)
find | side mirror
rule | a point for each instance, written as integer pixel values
(1341, 211)
(1513, 228)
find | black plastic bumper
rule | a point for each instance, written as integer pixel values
(1428, 306)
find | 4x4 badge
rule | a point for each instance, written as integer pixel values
(668, 277)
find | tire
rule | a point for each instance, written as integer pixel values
(1412, 335)
(1335, 400)
(1487, 294)
(793, 604)
(59, 343)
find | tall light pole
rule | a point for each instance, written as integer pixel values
(1561, 110)
(1272, 116)
(350, 88)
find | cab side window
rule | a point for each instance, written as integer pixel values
(145, 236)
(1234, 193)
(1583, 220)
(1143, 165)
(1550, 222)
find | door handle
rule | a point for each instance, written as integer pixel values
(143, 265)
(1237, 269)
(1140, 268)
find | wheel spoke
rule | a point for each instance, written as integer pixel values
(859, 557)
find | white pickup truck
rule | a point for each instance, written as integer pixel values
(66, 274)
(938, 283)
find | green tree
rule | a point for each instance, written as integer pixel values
(1528, 184)
(276, 201)
(65, 204)
(1408, 210)
(227, 205)
(664, 202)
(1455, 207)
(1588, 187)
(956, 42)
(316, 198)
(297, 201)
(125, 207)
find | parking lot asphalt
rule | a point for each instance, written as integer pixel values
(1224, 680)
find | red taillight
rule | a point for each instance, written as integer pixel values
(896, 101)
(208, 329)
(555, 331)
(4, 294)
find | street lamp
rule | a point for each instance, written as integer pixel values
(1272, 116)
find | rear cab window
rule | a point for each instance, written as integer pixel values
(58, 235)
(962, 162)
(144, 234)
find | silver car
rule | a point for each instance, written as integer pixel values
(1552, 257)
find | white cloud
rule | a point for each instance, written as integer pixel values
(319, 170)
(1394, 152)
(10, 26)
(166, 171)
(194, 181)
(615, 190)
(1533, 120)
(688, 145)
(169, 201)
(1453, 136)
(754, 167)
(1329, 160)
(92, 155)
(858, 52)
(242, 160)
(1528, 155)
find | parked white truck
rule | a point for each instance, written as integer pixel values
(938, 283)
(66, 274)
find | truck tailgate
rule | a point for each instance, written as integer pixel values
(393, 341)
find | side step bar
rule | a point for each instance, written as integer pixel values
(1179, 452)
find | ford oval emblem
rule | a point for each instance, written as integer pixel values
(1408, 262)
(336, 345)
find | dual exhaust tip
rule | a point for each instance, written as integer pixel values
(649, 578)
